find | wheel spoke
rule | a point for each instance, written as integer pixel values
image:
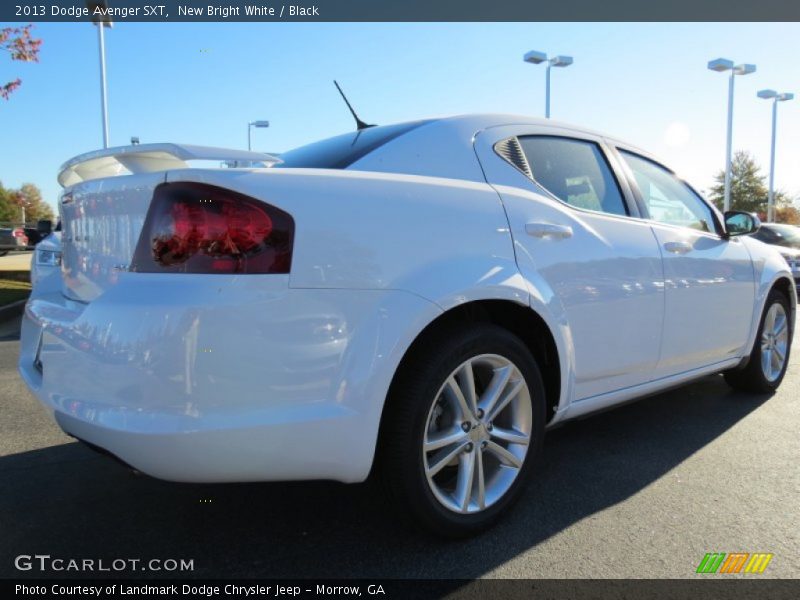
(504, 455)
(466, 476)
(766, 362)
(510, 435)
(775, 364)
(446, 457)
(780, 354)
(769, 322)
(780, 326)
(453, 390)
(445, 438)
(466, 380)
(509, 395)
(481, 482)
(493, 391)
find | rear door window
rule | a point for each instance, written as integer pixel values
(574, 171)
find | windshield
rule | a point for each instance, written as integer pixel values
(343, 150)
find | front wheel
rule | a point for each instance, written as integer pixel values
(770, 356)
(464, 424)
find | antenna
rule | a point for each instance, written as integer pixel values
(359, 123)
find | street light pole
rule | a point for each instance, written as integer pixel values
(547, 92)
(100, 7)
(775, 97)
(729, 145)
(771, 192)
(536, 58)
(103, 101)
(720, 65)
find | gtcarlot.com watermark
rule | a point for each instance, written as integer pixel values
(44, 563)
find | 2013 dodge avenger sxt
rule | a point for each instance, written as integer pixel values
(425, 297)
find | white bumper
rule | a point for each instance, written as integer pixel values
(222, 378)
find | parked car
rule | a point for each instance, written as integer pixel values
(12, 238)
(786, 238)
(36, 234)
(779, 234)
(423, 300)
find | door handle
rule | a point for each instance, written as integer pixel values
(678, 247)
(542, 230)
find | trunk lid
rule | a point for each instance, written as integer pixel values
(105, 201)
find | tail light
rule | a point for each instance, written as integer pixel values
(20, 233)
(198, 228)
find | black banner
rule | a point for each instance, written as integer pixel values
(714, 588)
(401, 10)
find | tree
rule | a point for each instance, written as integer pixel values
(787, 214)
(28, 196)
(748, 188)
(17, 41)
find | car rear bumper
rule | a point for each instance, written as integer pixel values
(220, 378)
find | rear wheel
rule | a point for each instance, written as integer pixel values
(464, 424)
(770, 356)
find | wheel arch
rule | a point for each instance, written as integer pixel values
(519, 319)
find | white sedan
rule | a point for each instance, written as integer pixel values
(424, 299)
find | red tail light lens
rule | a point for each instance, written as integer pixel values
(198, 228)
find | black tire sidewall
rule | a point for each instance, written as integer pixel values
(422, 384)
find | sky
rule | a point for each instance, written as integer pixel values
(201, 83)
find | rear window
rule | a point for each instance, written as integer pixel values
(343, 150)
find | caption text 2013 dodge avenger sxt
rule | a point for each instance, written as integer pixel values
(425, 298)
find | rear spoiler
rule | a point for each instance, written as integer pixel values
(147, 158)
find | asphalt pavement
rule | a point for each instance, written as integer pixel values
(642, 491)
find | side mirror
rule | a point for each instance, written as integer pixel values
(44, 226)
(740, 223)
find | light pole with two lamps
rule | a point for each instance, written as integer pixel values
(536, 58)
(721, 65)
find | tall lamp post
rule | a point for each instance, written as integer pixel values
(101, 23)
(250, 126)
(536, 58)
(721, 65)
(775, 97)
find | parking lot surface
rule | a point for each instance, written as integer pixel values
(645, 490)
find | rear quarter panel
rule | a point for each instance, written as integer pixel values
(443, 239)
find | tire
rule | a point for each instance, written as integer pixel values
(424, 409)
(765, 371)
(3, 252)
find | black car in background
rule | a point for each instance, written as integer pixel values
(779, 234)
(23, 238)
(787, 239)
(12, 238)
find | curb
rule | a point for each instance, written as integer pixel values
(9, 311)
